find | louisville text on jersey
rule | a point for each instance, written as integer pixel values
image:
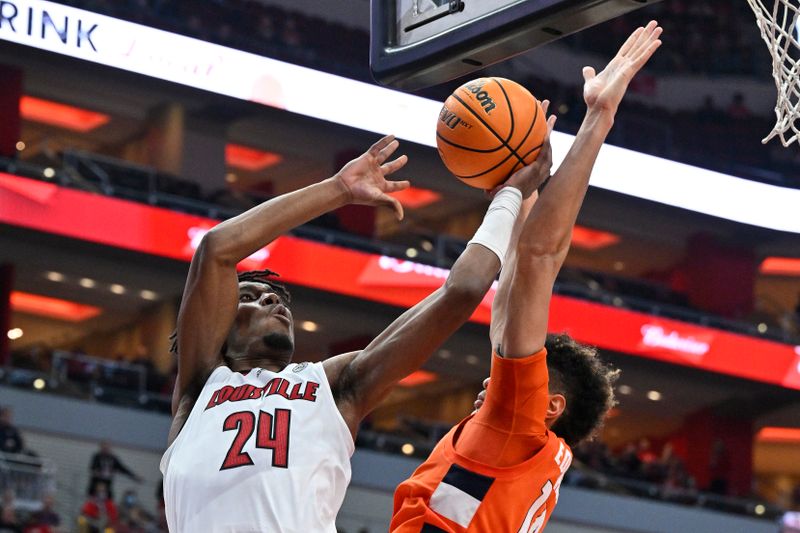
(305, 390)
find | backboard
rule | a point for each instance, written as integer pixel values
(418, 43)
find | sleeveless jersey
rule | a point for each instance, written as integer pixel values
(452, 493)
(260, 452)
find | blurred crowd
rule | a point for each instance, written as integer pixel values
(29, 492)
(639, 461)
(121, 378)
(709, 37)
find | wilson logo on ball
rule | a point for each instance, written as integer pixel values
(450, 119)
(481, 96)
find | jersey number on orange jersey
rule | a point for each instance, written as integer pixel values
(272, 434)
(530, 525)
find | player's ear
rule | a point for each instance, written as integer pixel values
(556, 403)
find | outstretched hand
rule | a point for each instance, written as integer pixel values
(364, 178)
(530, 177)
(604, 91)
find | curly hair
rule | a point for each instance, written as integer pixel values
(585, 381)
(255, 276)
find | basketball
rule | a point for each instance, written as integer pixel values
(488, 129)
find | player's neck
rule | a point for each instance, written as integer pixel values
(248, 363)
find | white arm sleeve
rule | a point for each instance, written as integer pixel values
(495, 231)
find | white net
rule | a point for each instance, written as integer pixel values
(779, 23)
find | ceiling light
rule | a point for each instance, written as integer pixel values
(87, 283)
(48, 173)
(412, 252)
(20, 146)
(57, 308)
(116, 288)
(445, 354)
(780, 266)
(760, 509)
(420, 377)
(619, 265)
(653, 395)
(473, 360)
(592, 239)
(230, 177)
(624, 389)
(407, 448)
(54, 276)
(39, 383)
(14, 333)
(762, 328)
(779, 434)
(250, 159)
(60, 115)
(307, 325)
(617, 301)
(148, 295)
(416, 198)
(427, 245)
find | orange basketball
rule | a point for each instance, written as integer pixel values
(488, 129)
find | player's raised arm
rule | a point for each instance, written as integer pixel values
(211, 294)
(546, 235)
(362, 379)
(500, 302)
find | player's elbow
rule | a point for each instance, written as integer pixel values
(466, 291)
(212, 247)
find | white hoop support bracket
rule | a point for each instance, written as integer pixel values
(779, 23)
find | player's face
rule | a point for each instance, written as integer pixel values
(263, 320)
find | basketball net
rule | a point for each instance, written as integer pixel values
(779, 29)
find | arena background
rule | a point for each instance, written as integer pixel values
(121, 146)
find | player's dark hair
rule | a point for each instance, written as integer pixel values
(254, 276)
(263, 276)
(585, 381)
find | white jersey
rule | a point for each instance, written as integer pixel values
(261, 452)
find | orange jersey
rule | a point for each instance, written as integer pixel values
(467, 485)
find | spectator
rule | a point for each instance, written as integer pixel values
(595, 455)
(629, 462)
(719, 469)
(98, 512)
(797, 313)
(645, 452)
(103, 467)
(132, 517)
(708, 112)
(9, 523)
(46, 520)
(738, 109)
(796, 498)
(10, 438)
